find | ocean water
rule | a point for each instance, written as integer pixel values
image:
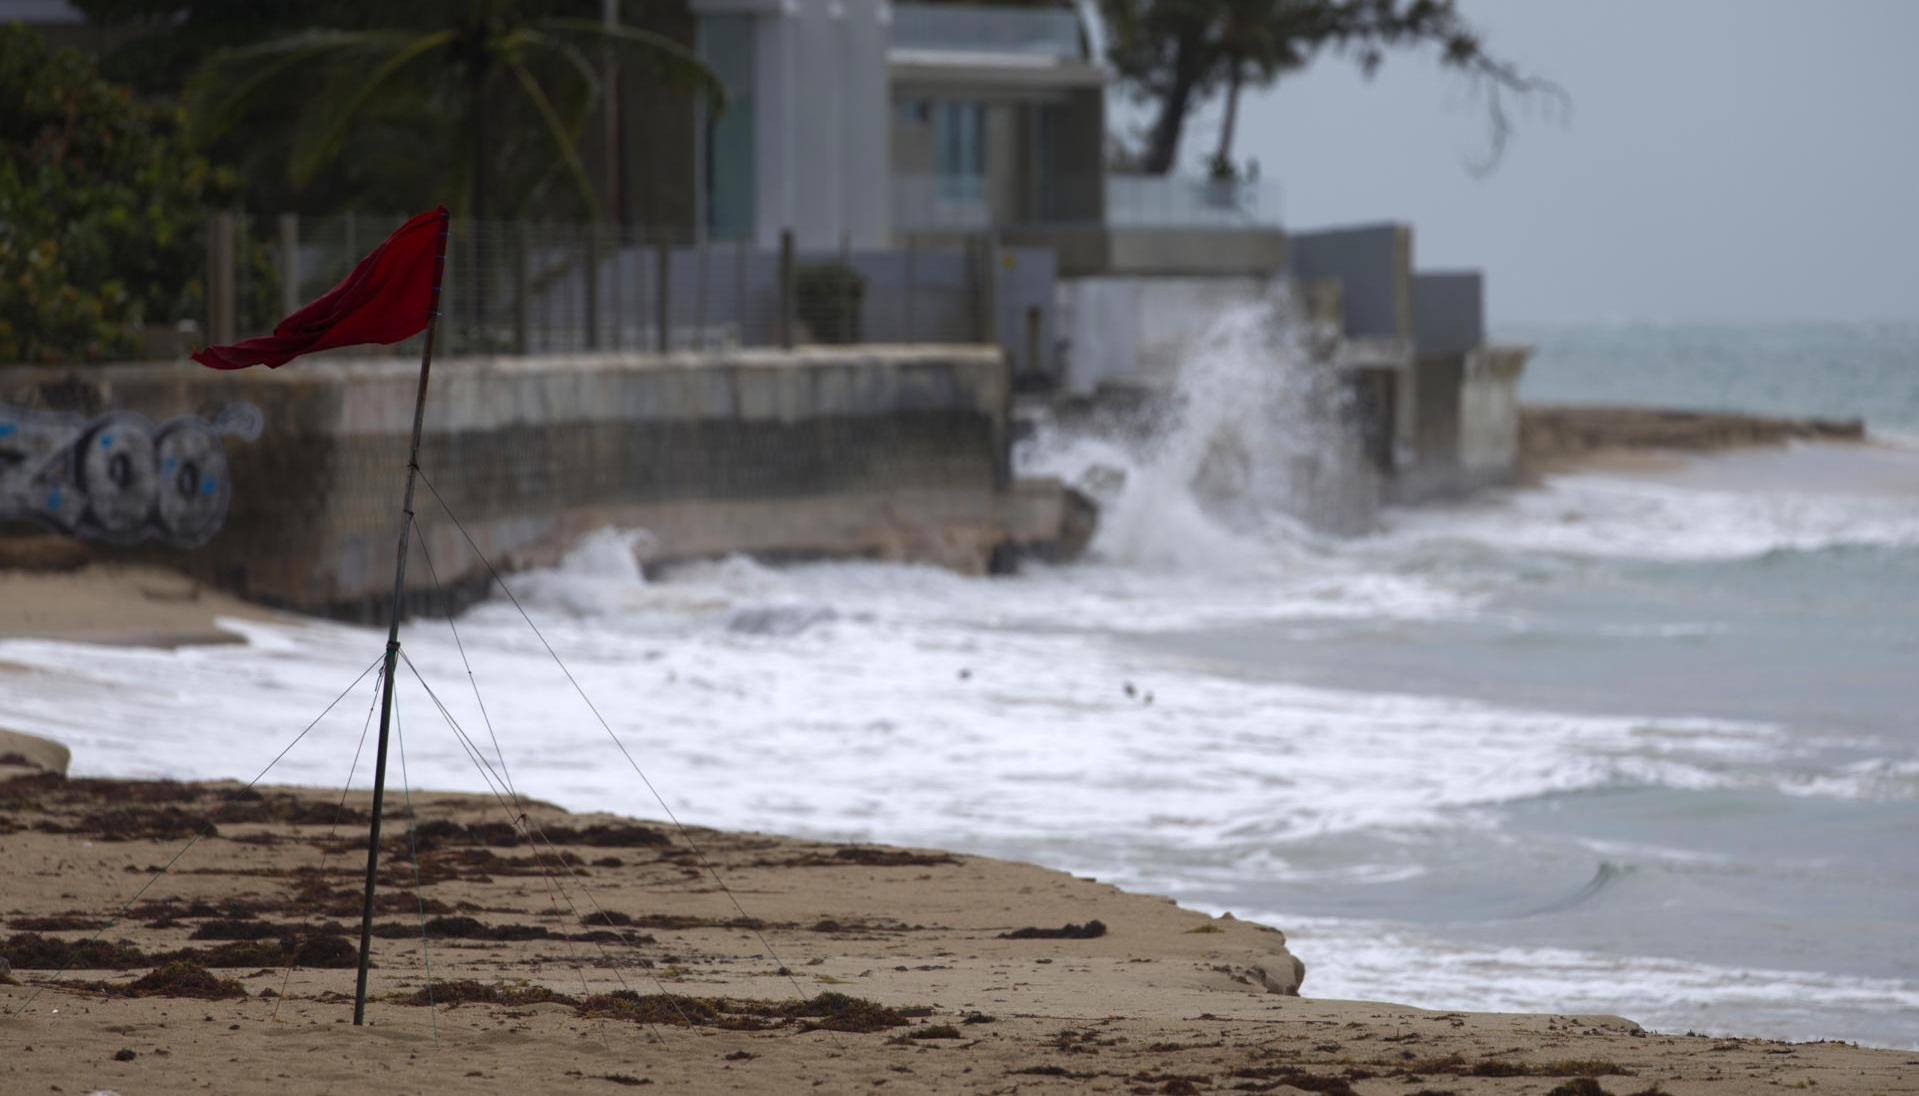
(1641, 744)
(1866, 371)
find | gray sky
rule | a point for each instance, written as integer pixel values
(1723, 159)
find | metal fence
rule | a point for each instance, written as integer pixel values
(533, 288)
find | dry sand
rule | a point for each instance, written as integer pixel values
(679, 991)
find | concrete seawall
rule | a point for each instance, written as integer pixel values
(887, 452)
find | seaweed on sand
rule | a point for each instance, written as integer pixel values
(467, 991)
(1089, 931)
(175, 979)
(829, 1011)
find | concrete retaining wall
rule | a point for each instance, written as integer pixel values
(1373, 265)
(890, 452)
(1143, 328)
(1449, 312)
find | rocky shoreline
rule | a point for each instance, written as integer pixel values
(1555, 437)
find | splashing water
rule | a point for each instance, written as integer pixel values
(1251, 447)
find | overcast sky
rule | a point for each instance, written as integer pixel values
(1723, 160)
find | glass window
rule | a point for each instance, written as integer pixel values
(959, 148)
(727, 46)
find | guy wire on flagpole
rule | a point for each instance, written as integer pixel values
(393, 628)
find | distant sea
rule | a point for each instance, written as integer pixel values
(1868, 371)
(1643, 744)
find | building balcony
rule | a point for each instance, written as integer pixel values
(972, 203)
(1037, 35)
(1157, 201)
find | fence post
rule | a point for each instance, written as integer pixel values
(988, 302)
(699, 295)
(664, 286)
(849, 309)
(788, 290)
(522, 281)
(912, 255)
(289, 263)
(1032, 339)
(740, 310)
(220, 294)
(546, 291)
(592, 250)
(613, 289)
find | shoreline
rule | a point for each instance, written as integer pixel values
(1556, 439)
(628, 965)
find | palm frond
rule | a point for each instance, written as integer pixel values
(566, 51)
(564, 137)
(319, 143)
(674, 64)
(219, 92)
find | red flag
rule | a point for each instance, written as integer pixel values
(388, 297)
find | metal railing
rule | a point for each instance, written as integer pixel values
(967, 203)
(981, 29)
(535, 288)
(1157, 201)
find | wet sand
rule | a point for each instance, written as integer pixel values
(597, 953)
(71, 597)
(1568, 438)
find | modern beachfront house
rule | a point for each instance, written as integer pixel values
(861, 121)
(859, 124)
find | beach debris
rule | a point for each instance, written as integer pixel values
(840, 1012)
(467, 991)
(31, 951)
(864, 856)
(1091, 930)
(175, 979)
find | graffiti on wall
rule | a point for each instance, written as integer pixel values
(116, 476)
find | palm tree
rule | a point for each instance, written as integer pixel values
(516, 82)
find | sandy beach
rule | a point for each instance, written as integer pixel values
(593, 952)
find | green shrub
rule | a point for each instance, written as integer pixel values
(102, 209)
(829, 296)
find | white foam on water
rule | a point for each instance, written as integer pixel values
(1654, 518)
(868, 714)
(1359, 960)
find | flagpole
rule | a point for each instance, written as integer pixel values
(393, 631)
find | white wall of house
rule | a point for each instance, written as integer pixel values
(820, 119)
